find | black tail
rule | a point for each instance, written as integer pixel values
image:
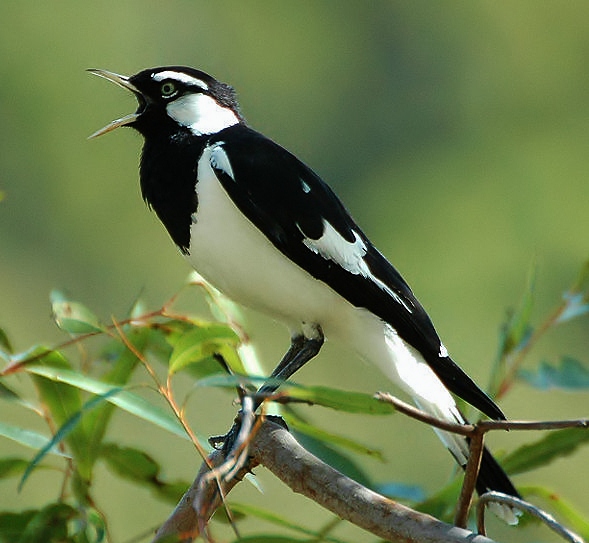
(492, 477)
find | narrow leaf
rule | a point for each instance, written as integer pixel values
(567, 514)
(9, 467)
(122, 362)
(130, 463)
(335, 458)
(63, 402)
(544, 451)
(139, 467)
(5, 344)
(569, 375)
(73, 317)
(28, 438)
(48, 524)
(294, 423)
(340, 400)
(10, 395)
(401, 491)
(517, 329)
(136, 405)
(66, 429)
(271, 517)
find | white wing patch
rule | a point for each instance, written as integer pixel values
(332, 246)
(220, 161)
(201, 114)
(349, 255)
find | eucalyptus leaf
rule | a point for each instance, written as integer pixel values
(295, 423)
(132, 403)
(73, 317)
(200, 344)
(28, 438)
(552, 446)
(567, 513)
(68, 427)
(5, 344)
(570, 374)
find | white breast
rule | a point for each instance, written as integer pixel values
(232, 254)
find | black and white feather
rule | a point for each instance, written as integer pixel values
(264, 228)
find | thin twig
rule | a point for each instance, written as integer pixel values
(422, 416)
(484, 426)
(471, 472)
(511, 501)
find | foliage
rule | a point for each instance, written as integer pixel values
(77, 391)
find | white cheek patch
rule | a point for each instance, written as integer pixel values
(220, 161)
(201, 114)
(349, 255)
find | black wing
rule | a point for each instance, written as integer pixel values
(288, 202)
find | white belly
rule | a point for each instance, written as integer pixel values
(232, 254)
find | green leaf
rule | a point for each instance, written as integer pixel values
(130, 463)
(5, 344)
(340, 400)
(28, 438)
(401, 491)
(64, 402)
(68, 427)
(517, 329)
(12, 525)
(269, 539)
(333, 457)
(129, 402)
(9, 395)
(296, 424)
(9, 467)
(122, 362)
(442, 504)
(569, 375)
(242, 509)
(49, 524)
(201, 343)
(139, 467)
(554, 445)
(567, 514)
(577, 298)
(73, 317)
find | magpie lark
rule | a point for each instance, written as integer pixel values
(267, 231)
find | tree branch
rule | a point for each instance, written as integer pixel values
(275, 448)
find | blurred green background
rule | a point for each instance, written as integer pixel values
(455, 132)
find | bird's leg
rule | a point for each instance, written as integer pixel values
(302, 349)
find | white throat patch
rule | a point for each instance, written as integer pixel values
(201, 113)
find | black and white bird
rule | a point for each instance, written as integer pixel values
(263, 228)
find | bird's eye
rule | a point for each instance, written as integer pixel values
(168, 89)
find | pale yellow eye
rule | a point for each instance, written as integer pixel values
(168, 89)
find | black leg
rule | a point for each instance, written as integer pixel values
(301, 350)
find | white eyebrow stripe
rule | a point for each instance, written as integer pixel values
(349, 255)
(179, 76)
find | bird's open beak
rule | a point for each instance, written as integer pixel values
(124, 82)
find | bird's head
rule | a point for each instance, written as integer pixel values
(175, 98)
